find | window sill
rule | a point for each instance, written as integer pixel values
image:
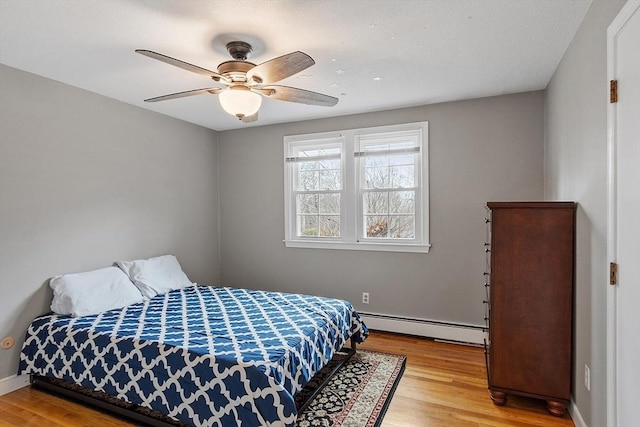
(359, 246)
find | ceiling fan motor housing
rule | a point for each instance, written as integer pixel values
(239, 50)
(235, 66)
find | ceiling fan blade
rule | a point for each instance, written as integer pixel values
(181, 64)
(293, 94)
(250, 119)
(212, 90)
(281, 67)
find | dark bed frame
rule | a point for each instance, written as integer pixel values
(129, 410)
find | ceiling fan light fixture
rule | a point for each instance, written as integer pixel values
(240, 101)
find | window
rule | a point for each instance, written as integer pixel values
(317, 187)
(363, 189)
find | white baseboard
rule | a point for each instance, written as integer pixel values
(425, 328)
(13, 383)
(576, 416)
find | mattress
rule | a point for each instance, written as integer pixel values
(206, 356)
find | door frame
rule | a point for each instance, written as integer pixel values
(612, 372)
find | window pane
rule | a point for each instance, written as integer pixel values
(376, 161)
(377, 226)
(402, 159)
(376, 202)
(391, 144)
(329, 203)
(329, 226)
(373, 147)
(376, 177)
(301, 152)
(407, 143)
(402, 227)
(308, 181)
(329, 164)
(307, 204)
(402, 202)
(402, 176)
(307, 225)
(389, 214)
(306, 166)
(329, 180)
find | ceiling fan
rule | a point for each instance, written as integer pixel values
(245, 83)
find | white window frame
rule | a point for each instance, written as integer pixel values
(351, 215)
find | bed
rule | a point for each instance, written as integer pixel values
(205, 356)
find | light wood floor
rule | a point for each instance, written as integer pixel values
(443, 385)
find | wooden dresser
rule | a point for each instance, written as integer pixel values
(531, 257)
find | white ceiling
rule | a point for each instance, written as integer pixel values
(371, 54)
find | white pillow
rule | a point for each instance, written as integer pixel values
(155, 276)
(92, 292)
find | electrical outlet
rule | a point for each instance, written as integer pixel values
(587, 377)
(7, 342)
(365, 297)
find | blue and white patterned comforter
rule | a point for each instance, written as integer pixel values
(203, 355)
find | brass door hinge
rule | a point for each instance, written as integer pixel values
(613, 91)
(613, 273)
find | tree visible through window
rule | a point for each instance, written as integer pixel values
(389, 190)
(318, 184)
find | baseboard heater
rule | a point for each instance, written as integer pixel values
(438, 330)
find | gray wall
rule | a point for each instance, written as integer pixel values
(86, 180)
(480, 150)
(576, 169)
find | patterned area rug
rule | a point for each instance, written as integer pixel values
(358, 395)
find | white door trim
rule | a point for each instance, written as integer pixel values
(616, 25)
